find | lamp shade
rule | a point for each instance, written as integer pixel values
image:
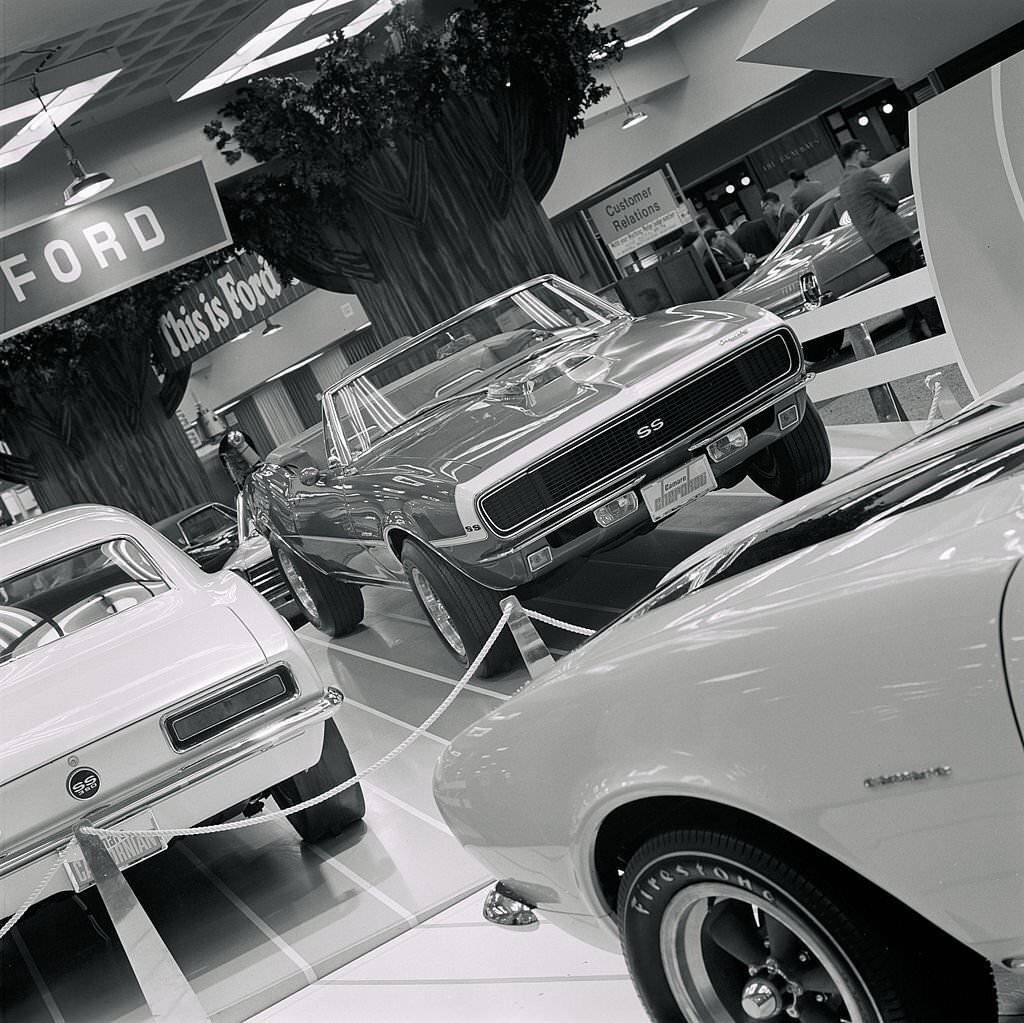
(85, 185)
(633, 118)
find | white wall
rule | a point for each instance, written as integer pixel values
(717, 86)
(968, 151)
(310, 324)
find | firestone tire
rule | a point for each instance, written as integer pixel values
(333, 816)
(796, 463)
(462, 612)
(333, 607)
(716, 929)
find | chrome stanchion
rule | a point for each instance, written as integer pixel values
(533, 649)
(166, 989)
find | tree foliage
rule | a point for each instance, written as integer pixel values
(315, 138)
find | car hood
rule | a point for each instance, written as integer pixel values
(538, 397)
(59, 698)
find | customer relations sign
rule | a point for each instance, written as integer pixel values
(228, 302)
(635, 216)
(52, 266)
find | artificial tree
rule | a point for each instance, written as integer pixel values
(85, 415)
(413, 176)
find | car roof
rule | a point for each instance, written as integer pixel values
(45, 537)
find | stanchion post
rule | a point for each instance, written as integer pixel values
(886, 404)
(533, 649)
(166, 989)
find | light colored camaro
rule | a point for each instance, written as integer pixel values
(791, 780)
(135, 688)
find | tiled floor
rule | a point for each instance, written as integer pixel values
(254, 916)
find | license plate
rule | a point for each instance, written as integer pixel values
(124, 851)
(678, 488)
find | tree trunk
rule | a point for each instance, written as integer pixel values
(147, 467)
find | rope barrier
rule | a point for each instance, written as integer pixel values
(122, 834)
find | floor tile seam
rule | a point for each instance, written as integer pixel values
(367, 886)
(286, 949)
(434, 822)
(393, 720)
(472, 981)
(43, 989)
(407, 668)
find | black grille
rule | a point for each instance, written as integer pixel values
(268, 580)
(682, 410)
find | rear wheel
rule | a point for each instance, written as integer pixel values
(716, 929)
(331, 817)
(462, 612)
(333, 607)
(797, 462)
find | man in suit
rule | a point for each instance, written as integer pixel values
(805, 190)
(778, 216)
(753, 236)
(872, 205)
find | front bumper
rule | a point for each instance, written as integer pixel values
(577, 533)
(247, 765)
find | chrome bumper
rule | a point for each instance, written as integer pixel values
(240, 749)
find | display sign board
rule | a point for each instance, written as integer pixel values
(638, 215)
(231, 300)
(798, 149)
(59, 263)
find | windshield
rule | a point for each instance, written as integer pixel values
(458, 357)
(205, 522)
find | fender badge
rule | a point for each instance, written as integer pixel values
(83, 783)
(897, 779)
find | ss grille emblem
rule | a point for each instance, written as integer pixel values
(652, 427)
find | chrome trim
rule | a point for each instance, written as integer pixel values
(623, 488)
(144, 798)
(219, 690)
(707, 438)
(793, 348)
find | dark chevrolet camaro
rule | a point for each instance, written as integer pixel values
(491, 450)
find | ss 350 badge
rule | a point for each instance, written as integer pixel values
(83, 783)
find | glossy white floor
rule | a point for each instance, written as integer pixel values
(382, 923)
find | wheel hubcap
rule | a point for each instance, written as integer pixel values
(439, 614)
(302, 594)
(731, 956)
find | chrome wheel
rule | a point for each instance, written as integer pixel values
(299, 588)
(439, 614)
(731, 956)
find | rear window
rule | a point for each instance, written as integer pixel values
(948, 474)
(62, 597)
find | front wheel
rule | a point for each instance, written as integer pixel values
(718, 930)
(333, 607)
(462, 612)
(797, 462)
(331, 817)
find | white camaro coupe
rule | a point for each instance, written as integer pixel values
(790, 781)
(140, 692)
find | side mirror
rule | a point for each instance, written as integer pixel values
(309, 476)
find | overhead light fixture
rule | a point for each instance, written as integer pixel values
(83, 185)
(659, 28)
(730, 188)
(270, 327)
(239, 336)
(633, 117)
(293, 368)
(745, 180)
(887, 108)
(863, 120)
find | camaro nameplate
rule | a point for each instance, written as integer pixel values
(903, 776)
(124, 851)
(679, 488)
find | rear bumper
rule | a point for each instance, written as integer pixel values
(229, 775)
